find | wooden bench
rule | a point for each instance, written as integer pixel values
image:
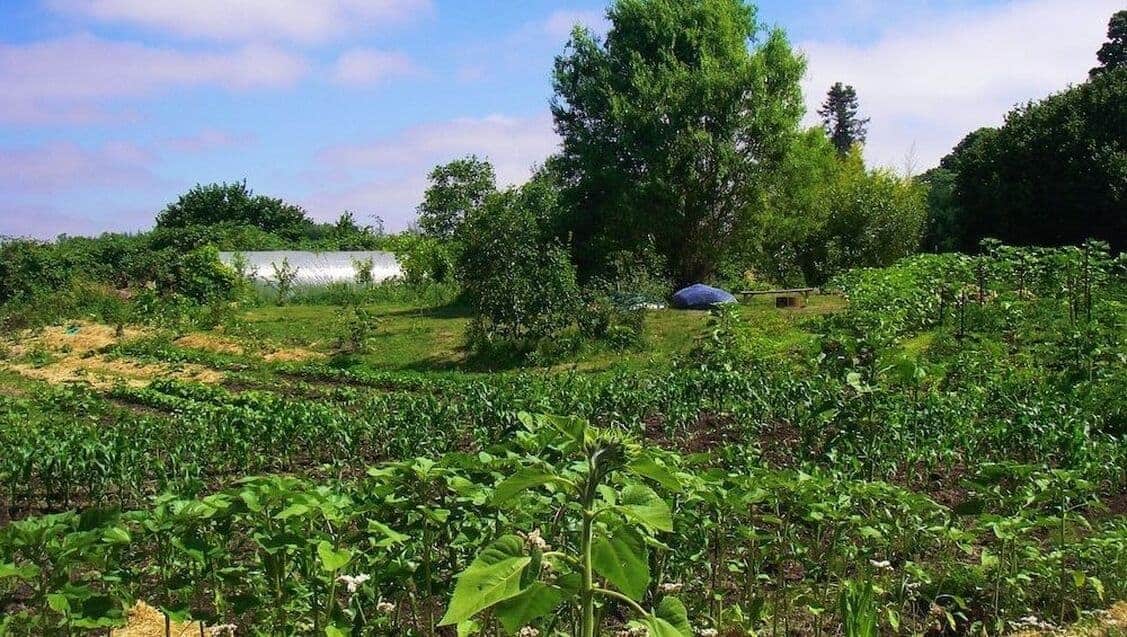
(783, 298)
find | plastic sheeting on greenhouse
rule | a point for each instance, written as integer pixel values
(316, 268)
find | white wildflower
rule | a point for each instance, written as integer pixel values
(528, 631)
(708, 632)
(883, 565)
(386, 608)
(353, 582)
(671, 587)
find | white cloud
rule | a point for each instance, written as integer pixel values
(560, 23)
(304, 21)
(931, 83)
(387, 177)
(58, 166)
(364, 67)
(69, 76)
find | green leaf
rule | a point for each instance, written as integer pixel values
(535, 602)
(292, 510)
(19, 572)
(520, 481)
(391, 536)
(332, 559)
(646, 507)
(493, 577)
(58, 603)
(658, 627)
(659, 473)
(673, 612)
(333, 631)
(116, 535)
(623, 560)
(468, 627)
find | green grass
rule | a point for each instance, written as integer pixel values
(409, 337)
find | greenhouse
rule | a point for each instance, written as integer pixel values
(311, 269)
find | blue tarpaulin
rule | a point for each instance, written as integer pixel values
(700, 297)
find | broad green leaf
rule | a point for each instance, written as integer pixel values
(493, 577)
(20, 572)
(468, 627)
(673, 612)
(58, 603)
(623, 560)
(334, 631)
(520, 481)
(292, 510)
(332, 559)
(659, 473)
(390, 536)
(116, 535)
(535, 602)
(646, 507)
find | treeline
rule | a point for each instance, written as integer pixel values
(683, 160)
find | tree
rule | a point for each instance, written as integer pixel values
(456, 189)
(234, 204)
(1113, 53)
(520, 282)
(669, 128)
(839, 117)
(1054, 174)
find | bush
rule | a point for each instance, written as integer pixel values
(521, 286)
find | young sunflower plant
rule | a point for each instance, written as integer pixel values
(608, 520)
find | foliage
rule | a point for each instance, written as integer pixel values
(520, 284)
(236, 204)
(1113, 54)
(936, 457)
(840, 119)
(669, 128)
(826, 215)
(1053, 174)
(283, 279)
(457, 189)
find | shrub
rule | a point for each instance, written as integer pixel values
(520, 285)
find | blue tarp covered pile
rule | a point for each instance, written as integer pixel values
(700, 297)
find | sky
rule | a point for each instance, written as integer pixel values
(111, 108)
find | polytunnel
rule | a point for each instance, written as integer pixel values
(314, 269)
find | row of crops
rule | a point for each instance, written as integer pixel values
(947, 455)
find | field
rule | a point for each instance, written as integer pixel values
(933, 448)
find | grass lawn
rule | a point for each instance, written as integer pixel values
(432, 338)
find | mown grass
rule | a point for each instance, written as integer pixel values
(409, 337)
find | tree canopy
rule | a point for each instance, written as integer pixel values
(456, 189)
(1054, 174)
(234, 203)
(669, 127)
(1113, 54)
(841, 119)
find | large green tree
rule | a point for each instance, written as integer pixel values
(669, 126)
(1054, 174)
(841, 118)
(456, 189)
(1113, 53)
(234, 204)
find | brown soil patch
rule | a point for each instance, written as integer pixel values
(146, 621)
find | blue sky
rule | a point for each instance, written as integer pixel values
(110, 108)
